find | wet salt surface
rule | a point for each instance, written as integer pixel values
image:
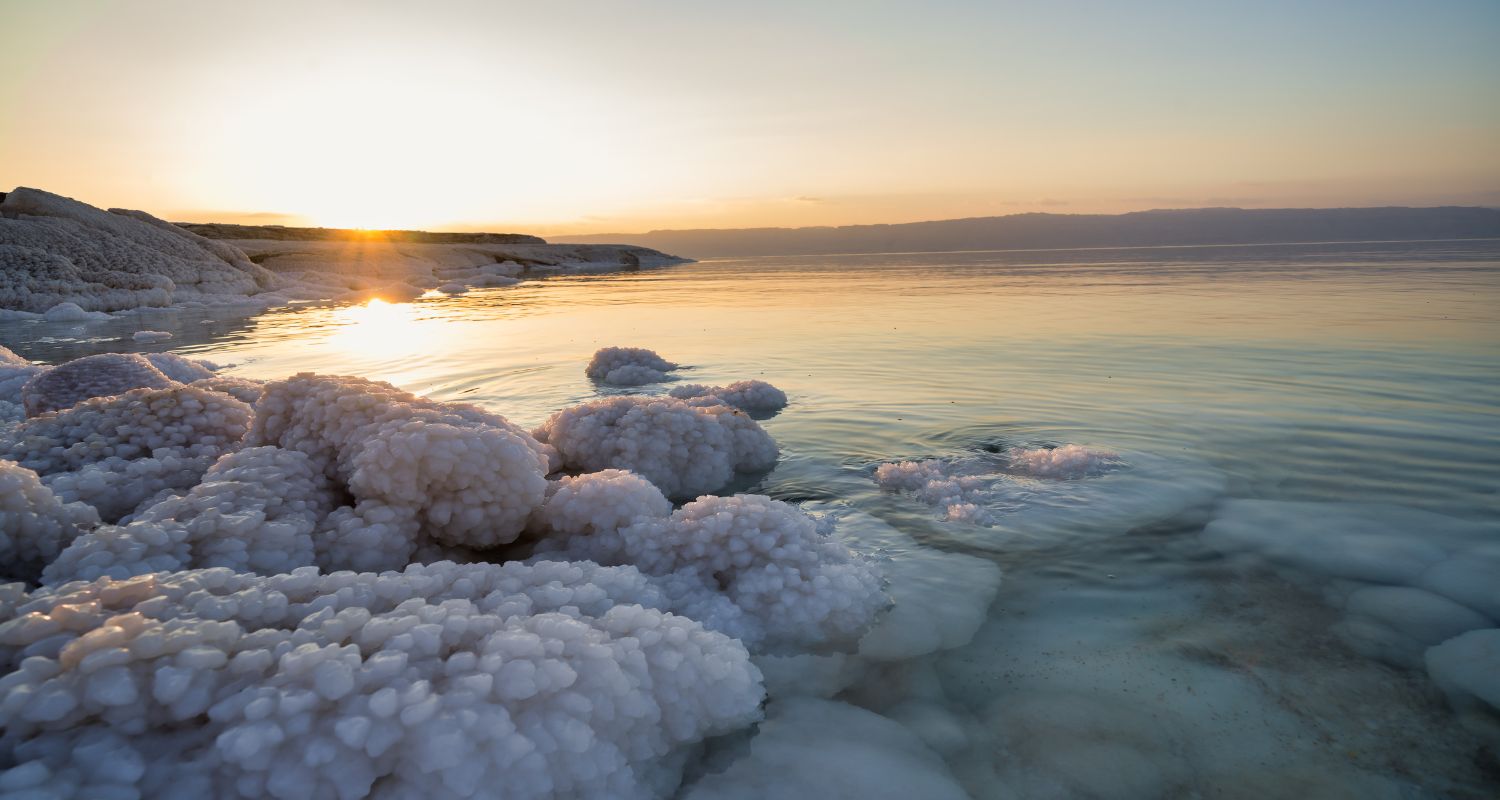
(1126, 654)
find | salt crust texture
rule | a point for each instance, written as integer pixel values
(56, 250)
(111, 680)
(628, 366)
(34, 524)
(1036, 497)
(755, 397)
(685, 450)
(104, 375)
(798, 588)
(810, 749)
(416, 469)
(116, 452)
(530, 681)
(1430, 602)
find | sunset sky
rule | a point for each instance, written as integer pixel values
(563, 117)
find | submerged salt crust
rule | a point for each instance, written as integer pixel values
(1039, 496)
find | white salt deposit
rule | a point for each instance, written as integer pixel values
(810, 749)
(457, 474)
(685, 450)
(800, 588)
(34, 524)
(756, 397)
(151, 336)
(115, 452)
(1040, 495)
(441, 681)
(1400, 594)
(68, 258)
(72, 312)
(628, 366)
(104, 375)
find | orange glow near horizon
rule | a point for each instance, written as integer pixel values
(488, 116)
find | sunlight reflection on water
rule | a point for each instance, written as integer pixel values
(1329, 373)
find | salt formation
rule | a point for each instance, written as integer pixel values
(72, 312)
(548, 680)
(103, 375)
(116, 452)
(414, 467)
(15, 372)
(34, 525)
(755, 397)
(55, 250)
(1403, 598)
(181, 369)
(1038, 495)
(1467, 668)
(241, 389)
(1068, 462)
(151, 336)
(811, 749)
(799, 587)
(685, 450)
(255, 511)
(628, 366)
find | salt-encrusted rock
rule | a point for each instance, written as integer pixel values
(181, 369)
(15, 373)
(151, 336)
(443, 681)
(72, 312)
(55, 250)
(255, 511)
(628, 366)
(460, 475)
(685, 450)
(114, 452)
(34, 524)
(800, 588)
(1069, 461)
(756, 397)
(241, 389)
(103, 375)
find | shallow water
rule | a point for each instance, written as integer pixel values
(1122, 657)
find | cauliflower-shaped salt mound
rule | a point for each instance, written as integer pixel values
(442, 681)
(180, 369)
(34, 525)
(15, 372)
(414, 467)
(241, 389)
(1070, 461)
(601, 503)
(683, 449)
(628, 366)
(255, 511)
(103, 375)
(800, 588)
(115, 452)
(55, 250)
(755, 397)
(936, 483)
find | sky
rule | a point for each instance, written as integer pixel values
(578, 117)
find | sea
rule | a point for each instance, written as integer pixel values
(1242, 602)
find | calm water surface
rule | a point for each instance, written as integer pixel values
(1122, 657)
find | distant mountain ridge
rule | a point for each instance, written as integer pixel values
(1165, 227)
